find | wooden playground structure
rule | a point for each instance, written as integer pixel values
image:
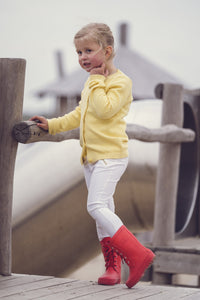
(177, 182)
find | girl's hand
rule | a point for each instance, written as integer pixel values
(101, 70)
(42, 122)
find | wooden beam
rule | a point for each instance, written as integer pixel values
(28, 132)
(12, 74)
(169, 133)
(177, 263)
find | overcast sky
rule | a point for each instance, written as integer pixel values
(164, 31)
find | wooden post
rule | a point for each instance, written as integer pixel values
(12, 74)
(60, 64)
(61, 100)
(168, 169)
(123, 34)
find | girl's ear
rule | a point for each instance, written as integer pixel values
(109, 50)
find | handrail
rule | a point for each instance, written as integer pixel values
(28, 132)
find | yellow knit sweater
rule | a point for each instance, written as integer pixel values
(105, 101)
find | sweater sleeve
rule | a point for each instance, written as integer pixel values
(67, 122)
(107, 100)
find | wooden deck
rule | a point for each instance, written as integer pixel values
(21, 287)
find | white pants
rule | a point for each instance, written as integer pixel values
(101, 180)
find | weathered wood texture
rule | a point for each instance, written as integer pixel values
(12, 74)
(177, 262)
(183, 257)
(169, 133)
(20, 287)
(28, 132)
(168, 169)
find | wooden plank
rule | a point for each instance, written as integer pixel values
(169, 262)
(50, 288)
(185, 245)
(5, 278)
(18, 280)
(88, 291)
(141, 291)
(57, 290)
(78, 291)
(57, 286)
(192, 243)
(26, 283)
(122, 292)
(172, 293)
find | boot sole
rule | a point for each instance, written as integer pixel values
(146, 264)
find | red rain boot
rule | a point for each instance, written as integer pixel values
(113, 264)
(137, 257)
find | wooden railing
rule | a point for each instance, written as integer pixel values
(170, 135)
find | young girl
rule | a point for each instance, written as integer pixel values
(105, 101)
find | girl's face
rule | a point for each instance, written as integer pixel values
(90, 54)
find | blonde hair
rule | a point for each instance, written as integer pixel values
(98, 32)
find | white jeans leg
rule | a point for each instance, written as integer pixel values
(101, 233)
(101, 179)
